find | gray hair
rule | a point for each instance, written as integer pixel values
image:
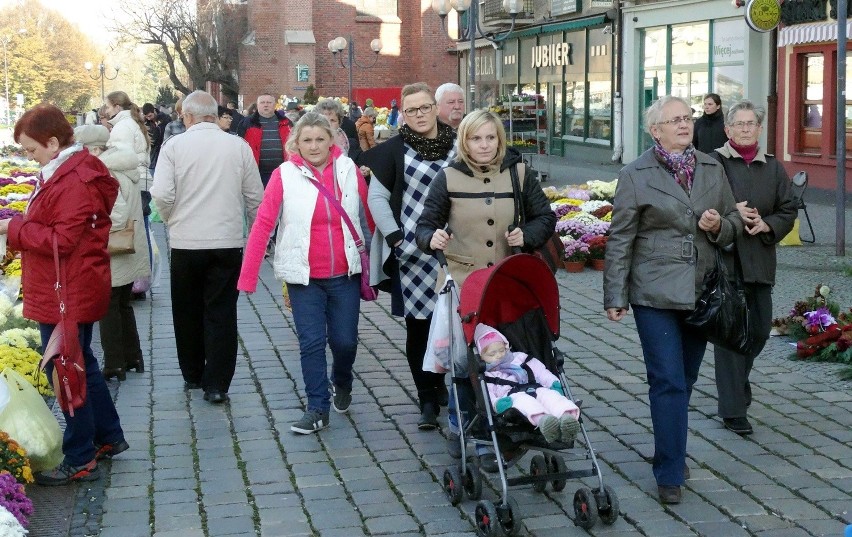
(745, 106)
(311, 119)
(449, 87)
(200, 104)
(329, 105)
(654, 113)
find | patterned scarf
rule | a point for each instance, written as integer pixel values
(430, 148)
(504, 365)
(680, 166)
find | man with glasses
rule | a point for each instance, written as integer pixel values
(403, 168)
(450, 98)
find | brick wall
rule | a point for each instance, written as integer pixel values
(414, 47)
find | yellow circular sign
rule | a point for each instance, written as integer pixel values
(763, 15)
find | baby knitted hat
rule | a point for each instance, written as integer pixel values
(489, 335)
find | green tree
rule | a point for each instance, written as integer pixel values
(311, 96)
(166, 95)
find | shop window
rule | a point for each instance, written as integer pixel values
(728, 57)
(575, 108)
(813, 68)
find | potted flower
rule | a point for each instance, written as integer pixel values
(576, 254)
(597, 251)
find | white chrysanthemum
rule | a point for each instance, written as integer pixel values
(9, 525)
(5, 304)
(824, 290)
(18, 311)
(592, 206)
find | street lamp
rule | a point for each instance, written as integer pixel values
(473, 30)
(339, 43)
(5, 40)
(102, 76)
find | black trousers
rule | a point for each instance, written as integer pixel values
(733, 369)
(119, 337)
(429, 385)
(204, 310)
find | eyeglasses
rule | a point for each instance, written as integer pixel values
(676, 120)
(743, 124)
(425, 109)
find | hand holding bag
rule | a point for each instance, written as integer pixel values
(552, 251)
(368, 293)
(721, 313)
(64, 352)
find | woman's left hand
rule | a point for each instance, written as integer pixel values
(759, 226)
(710, 221)
(4, 226)
(515, 237)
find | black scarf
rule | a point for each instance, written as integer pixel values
(430, 148)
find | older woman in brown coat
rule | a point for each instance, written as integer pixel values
(672, 205)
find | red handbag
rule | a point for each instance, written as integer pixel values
(64, 352)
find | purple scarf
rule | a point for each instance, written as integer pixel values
(680, 166)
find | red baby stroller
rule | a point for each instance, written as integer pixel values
(519, 296)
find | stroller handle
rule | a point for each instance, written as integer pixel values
(515, 249)
(439, 254)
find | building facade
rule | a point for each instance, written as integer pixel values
(806, 136)
(285, 48)
(688, 48)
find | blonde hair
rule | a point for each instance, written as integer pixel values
(121, 99)
(417, 87)
(311, 119)
(469, 125)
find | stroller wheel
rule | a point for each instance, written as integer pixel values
(453, 485)
(509, 516)
(585, 508)
(486, 519)
(558, 466)
(610, 514)
(538, 467)
(472, 481)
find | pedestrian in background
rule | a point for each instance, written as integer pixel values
(205, 188)
(673, 206)
(761, 188)
(450, 98)
(71, 205)
(403, 167)
(709, 132)
(317, 258)
(176, 126)
(224, 119)
(119, 336)
(366, 131)
(266, 130)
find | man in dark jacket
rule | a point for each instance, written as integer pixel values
(156, 123)
(266, 132)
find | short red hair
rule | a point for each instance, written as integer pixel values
(43, 122)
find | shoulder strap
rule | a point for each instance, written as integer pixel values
(519, 217)
(339, 208)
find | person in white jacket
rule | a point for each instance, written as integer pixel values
(128, 129)
(205, 186)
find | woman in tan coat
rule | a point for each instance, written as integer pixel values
(119, 337)
(366, 131)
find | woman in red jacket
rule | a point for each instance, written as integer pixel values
(73, 200)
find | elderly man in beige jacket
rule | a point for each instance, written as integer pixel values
(207, 189)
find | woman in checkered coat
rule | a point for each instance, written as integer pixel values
(403, 168)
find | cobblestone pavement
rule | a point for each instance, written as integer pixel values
(196, 470)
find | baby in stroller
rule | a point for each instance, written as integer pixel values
(516, 380)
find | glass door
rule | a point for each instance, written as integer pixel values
(556, 109)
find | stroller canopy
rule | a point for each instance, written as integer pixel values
(503, 293)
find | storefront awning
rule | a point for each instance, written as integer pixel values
(811, 32)
(574, 24)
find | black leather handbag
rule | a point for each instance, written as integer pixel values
(722, 311)
(552, 251)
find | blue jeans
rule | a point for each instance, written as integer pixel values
(673, 352)
(326, 311)
(96, 422)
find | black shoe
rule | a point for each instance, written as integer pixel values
(741, 426)
(341, 399)
(138, 366)
(137, 296)
(117, 372)
(189, 385)
(108, 451)
(216, 397)
(669, 494)
(428, 417)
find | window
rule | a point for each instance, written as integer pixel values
(376, 8)
(813, 68)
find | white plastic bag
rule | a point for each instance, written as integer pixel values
(446, 339)
(29, 422)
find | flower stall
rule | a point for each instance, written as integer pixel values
(822, 331)
(583, 215)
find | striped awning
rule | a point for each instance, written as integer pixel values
(811, 32)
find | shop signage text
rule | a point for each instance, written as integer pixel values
(484, 66)
(763, 15)
(555, 54)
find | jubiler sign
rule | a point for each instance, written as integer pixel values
(553, 54)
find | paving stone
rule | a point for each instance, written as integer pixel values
(391, 525)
